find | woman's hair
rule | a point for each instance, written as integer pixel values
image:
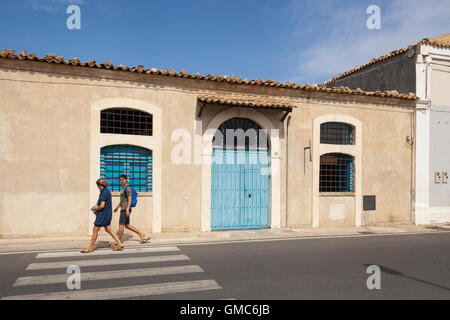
(102, 182)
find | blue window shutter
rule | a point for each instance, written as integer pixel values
(135, 162)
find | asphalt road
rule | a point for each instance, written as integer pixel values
(412, 267)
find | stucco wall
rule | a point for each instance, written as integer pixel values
(386, 160)
(396, 73)
(47, 133)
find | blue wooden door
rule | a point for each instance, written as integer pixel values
(239, 189)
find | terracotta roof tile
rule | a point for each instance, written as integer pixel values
(246, 101)
(52, 58)
(442, 41)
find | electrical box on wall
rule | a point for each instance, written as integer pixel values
(437, 177)
(369, 203)
(444, 177)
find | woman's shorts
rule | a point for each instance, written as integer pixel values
(123, 217)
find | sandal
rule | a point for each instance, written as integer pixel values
(87, 250)
(112, 244)
(118, 248)
(144, 240)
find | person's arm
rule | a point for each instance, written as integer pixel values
(100, 207)
(129, 200)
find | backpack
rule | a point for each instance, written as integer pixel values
(134, 195)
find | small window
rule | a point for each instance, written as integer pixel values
(336, 133)
(336, 173)
(126, 121)
(134, 162)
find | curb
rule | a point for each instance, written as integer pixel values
(76, 244)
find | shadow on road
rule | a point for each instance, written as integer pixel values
(398, 273)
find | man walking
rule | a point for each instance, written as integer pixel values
(125, 211)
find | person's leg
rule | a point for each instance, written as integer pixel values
(116, 238)
(136, 230)
(120, 232)
(93, 239)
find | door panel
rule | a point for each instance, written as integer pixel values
(239, 190)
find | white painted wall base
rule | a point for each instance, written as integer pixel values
(421, 214)
(439, 214)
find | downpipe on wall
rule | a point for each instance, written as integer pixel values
(287, 169)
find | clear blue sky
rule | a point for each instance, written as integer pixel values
(302, 41)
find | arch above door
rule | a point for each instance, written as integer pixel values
(273, 134)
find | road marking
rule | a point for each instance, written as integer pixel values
(103, 252)
(105, 262)
(104, 275)
(123, 292)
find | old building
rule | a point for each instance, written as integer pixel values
(321, 156)
(423, 69)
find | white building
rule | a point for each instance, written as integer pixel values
(423, 69)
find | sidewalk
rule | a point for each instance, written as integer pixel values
(131, 240)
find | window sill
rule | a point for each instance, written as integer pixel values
(336, 194)
(140, 194)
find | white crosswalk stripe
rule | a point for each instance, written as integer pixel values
(105, 262)
(104, 252)
(107, 275)
(146, 288)
(123, 292)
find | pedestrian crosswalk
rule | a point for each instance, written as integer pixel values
(146, 266)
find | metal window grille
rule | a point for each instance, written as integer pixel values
(134, 162)
(126, 121)
(336, 173)
(246, 135)
(336, 133)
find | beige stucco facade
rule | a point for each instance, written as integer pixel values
(50, 150)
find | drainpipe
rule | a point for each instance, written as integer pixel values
(287, 169)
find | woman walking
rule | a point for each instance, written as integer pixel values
(103, 212)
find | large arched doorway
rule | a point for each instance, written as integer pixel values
(240, 176)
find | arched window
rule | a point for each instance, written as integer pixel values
(134, 162)
(240, 134)
(336, 133)
(336, 173)
(126, 121)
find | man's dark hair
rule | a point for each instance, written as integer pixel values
(123, 176)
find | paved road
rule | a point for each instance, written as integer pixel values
(413, 267)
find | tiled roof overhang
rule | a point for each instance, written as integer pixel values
(442, 41)
(244, 101)
(53, 59)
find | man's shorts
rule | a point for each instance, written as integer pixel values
(123, 217)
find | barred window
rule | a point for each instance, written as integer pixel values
(241, 134)
(126, 121)
(134, 162)
(336, 133)
(336, 173)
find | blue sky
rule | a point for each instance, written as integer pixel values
(303, 41)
